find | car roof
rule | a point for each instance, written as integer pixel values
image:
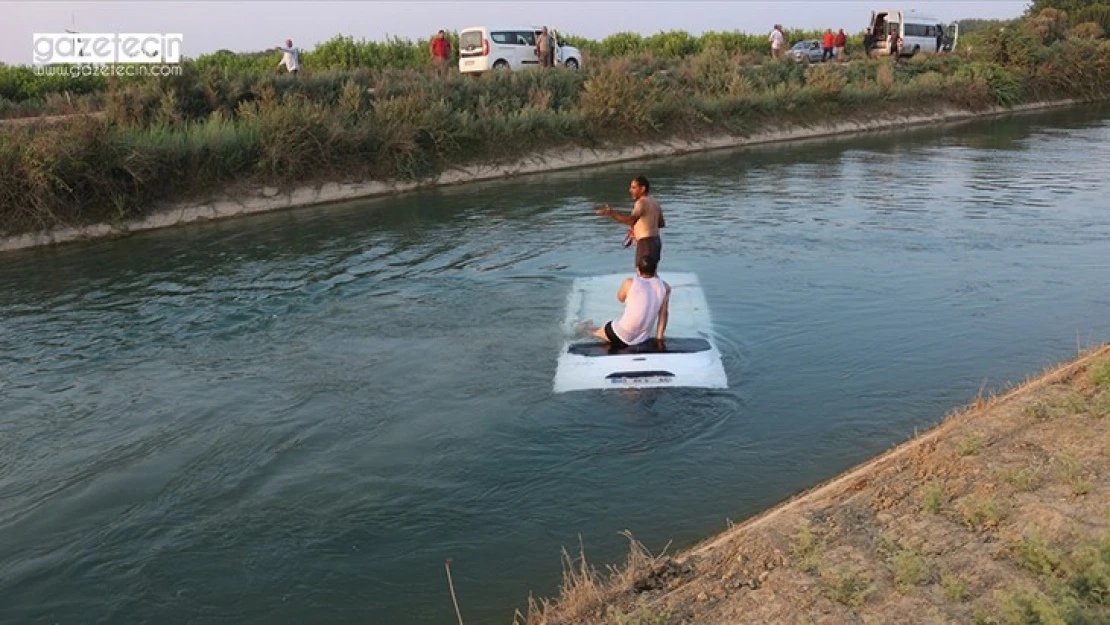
(492, 28)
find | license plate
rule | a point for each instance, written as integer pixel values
(468, 63)
(642, 380)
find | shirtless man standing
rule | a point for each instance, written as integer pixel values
(645, 221)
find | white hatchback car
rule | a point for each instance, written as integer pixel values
(482, 49)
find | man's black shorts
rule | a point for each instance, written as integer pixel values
(614, 340)
(649, 246)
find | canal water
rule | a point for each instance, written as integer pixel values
(299, 417)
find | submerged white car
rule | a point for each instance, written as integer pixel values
(482, 49)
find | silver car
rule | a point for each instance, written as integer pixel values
(808, 51)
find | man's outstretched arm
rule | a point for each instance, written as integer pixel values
(627, 220)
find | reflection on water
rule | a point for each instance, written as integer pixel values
(298, 417)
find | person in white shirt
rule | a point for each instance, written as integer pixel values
(646, 298)
(777, 39)
(291, 59)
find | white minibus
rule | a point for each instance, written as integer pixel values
(916, 33)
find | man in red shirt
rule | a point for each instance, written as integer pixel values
(441, 52)
(829, 41)
(841, 43)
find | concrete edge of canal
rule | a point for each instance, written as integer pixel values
(269, 199)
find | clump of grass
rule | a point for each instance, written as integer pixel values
(827, 79)
(1066, 405)
(911, 568)
(1073, 403)
(1030, 606)
(1032, 554)
(954, 587)
(1081, 486)
(1077, 586)
(970, 91)
(616, 100)
(1071, 471)
(887, 545)
(1098, 374)
(1100, 405)
(847, 585)
(711, 72)
(1038, 410)
(585, 592)
(1026, 479)
(642, 614)
(808, 548)
(982, 513)
(1088, 574)
(884, 76)
(933, 499)
(969, 445)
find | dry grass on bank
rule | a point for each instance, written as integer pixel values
(1000, 515)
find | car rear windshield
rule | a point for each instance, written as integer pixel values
(470, 41)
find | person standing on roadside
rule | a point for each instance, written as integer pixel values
(828, 43)
(894, 44)
(441, 52)
(868, 41)
(841, 43)
(776, 39)
(291, 59)
(545, 49)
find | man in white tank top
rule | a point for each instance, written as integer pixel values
(645, 297)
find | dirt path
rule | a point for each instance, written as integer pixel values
(45, 119)
(999, 515)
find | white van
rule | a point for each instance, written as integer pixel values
(917, 33)
(482, 49)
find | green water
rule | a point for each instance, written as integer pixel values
(298, 417)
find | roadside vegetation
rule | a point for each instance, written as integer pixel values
(378, 112)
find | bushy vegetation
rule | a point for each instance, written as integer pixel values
(174, 138)
(22, 92)
(675, 44)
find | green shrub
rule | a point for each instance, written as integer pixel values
(828, 79)
(617, 101)
(1088, 30)
(955, 588)
(1049, 25)
(910, 569)
(1093, 13)
(847, 585)
(1009, 46)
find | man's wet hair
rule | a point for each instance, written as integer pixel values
(643, 182)
(647, 265)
